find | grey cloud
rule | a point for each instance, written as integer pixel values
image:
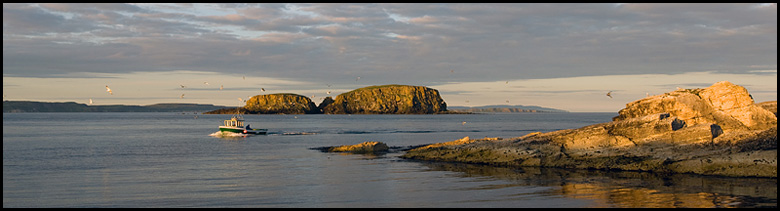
(29, 20)
(481, 42)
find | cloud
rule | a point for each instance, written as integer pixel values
(390, 43)
(537, 40)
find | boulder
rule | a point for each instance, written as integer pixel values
(388, 99)
(368, 147)
(280, 104)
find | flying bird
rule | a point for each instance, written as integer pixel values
(609, 94)
(90, 101)
(182, 86)
(221, 87)
(109, 90)
(328, 92)
(262, 89)
(207, 83)
(182, 96)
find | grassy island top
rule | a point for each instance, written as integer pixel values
(379, 87)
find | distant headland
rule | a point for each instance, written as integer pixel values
(33, 106)
(505, 109)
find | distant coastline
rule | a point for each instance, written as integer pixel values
(33, 106)
(505, 109)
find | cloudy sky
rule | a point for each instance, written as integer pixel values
(564, 56)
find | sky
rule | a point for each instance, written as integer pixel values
(563, 56)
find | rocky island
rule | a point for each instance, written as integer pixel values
(717, 130)
(284, 103)
(384, 99)
(388, 99)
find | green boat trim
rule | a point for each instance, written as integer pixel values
(242, 130)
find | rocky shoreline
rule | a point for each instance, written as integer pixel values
(717, 130)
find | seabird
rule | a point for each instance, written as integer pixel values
(90, 101)
(221, 87)
(182, 96)
(609, 94)
(328, 92)
(262, 89)
(358, 78)
(109, 90)
(207, 83)
(182, 86)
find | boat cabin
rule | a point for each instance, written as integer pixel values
(234, 122)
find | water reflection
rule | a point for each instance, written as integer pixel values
(632, 189)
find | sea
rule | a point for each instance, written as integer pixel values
(177, 159)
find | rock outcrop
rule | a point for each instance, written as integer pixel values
(769, 106)
(280, 104)
(388, 99)
(325, 102)
(728, 105)
(368, 147)
(713, 131)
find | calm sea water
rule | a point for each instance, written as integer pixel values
(171, 160)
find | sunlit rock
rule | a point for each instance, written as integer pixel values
(713, 131)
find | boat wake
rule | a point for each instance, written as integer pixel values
(222, 134)
(296, 133)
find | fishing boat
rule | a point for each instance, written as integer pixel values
(236, 125)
